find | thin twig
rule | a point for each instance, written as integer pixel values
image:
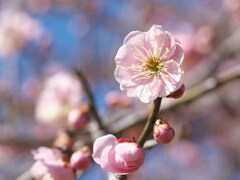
(91, 99)
(194, 93)
(150, 122)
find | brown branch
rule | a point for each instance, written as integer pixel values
(150, 122)
(93, 108)
(194, 93)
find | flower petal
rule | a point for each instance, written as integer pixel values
(172, 79)
(100, 145)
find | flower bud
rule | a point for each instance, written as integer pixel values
(79, 117)
(121, 156)
(163, 133)
(178, 93)
(81, 159)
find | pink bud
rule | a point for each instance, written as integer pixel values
(122, 157)
(178, 93)
(163, 133)
(81, 159)
(79, 117)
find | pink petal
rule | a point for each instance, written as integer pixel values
(172, 79)
(156, 37)
(100, 145)
(178, 54)
(38, 170)
(150, 91)
(128, 151)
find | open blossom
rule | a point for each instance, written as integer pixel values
(61, 93)
(117, 156)
(17, 29)
(50, 165)
(148, 64)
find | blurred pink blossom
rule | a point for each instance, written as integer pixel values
(50, 165)
(16, 29)
(148, 64)
(78, 117)
(115, 156)
(117, 99)
(61, 92)
(81, 159)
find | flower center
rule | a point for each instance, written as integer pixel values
(153, 65)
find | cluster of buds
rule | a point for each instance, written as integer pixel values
(52, 163)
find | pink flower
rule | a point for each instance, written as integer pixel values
(61, 92)
(16, 30)
(148, 64)
(78, 118)
(49, 165)
(163, 133)
(81, 159)
(115, 156)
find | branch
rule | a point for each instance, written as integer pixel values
(150, 123)
(89, 93)
(194, 93)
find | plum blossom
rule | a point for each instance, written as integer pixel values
(61, 93)
(16, 30)
(118, 156)
(50, 165)
(148, 64)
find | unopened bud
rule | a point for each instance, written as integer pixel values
(81, 159)
(78, 118)
(163, 133)
(178, 93)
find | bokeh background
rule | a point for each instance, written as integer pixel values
(43, 41)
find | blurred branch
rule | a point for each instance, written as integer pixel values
(194, 93)
(90, 96)
(225, 50)
(25, 176)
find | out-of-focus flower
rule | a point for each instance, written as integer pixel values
(81, 159)
(122, 157)
(63, 140)
(116, 99)
(78, 117)
(178, 93)
(233, 7)
(61, 93)
(163, 133)
(16, 29)
(148, 64)
(50, 165)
